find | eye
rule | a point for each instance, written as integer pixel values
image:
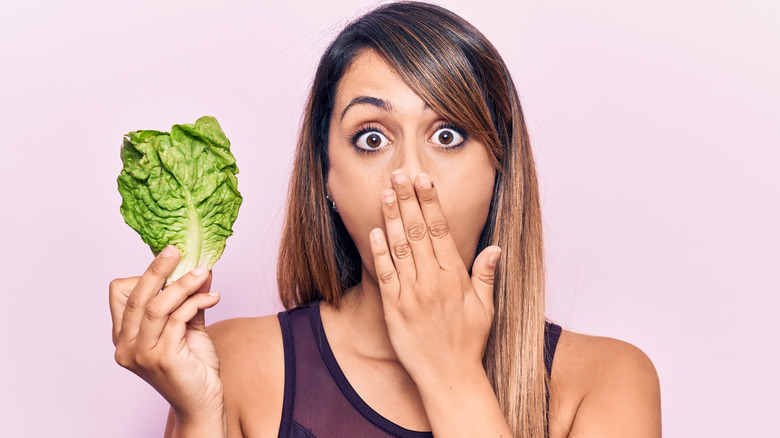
(448, 136)
(370, 140)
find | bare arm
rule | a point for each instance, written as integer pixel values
(603, 387)
(625, 399)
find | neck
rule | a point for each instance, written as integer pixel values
(361, 317)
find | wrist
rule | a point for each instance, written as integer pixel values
(452, 384)
(462, 403)
(206, 425)
(453, 374)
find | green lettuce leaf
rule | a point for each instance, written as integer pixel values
(180, 188)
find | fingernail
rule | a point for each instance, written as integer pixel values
(200, 270)
(376, 234)
(168, 251)
(214, 293)
(424, 181)
(493, 259)
(399, 176)
(388, 196)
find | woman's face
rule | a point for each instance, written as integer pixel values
(378, 125)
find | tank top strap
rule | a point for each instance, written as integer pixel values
(289, 379)
(319, 402)
(552, 332)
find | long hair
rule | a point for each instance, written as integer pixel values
(458, 73)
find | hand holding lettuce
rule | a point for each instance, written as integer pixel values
(180, 188)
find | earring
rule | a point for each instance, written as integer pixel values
(332, 202)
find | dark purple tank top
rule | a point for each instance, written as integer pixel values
(319, 402)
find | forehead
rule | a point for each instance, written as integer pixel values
(370, 75)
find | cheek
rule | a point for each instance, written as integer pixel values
(466, 205)
(357, 195)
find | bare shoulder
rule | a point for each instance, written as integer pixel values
(603, 387)
(232, 336)
(251, 355)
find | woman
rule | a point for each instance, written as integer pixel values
(412, 256)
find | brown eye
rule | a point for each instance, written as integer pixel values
(447, 137)
(371, 140)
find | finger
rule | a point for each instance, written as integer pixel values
(443, 244)
(148, 286)
(176, 326)
(396, 237)
(198, 322)
(414, 223)
(118, 291)
(483, 275)
(386, 274)
(161, 307)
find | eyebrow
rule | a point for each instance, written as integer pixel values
(366, 100)
(375, 102)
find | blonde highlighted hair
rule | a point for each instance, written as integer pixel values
(453, 68)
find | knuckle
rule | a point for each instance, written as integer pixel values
(133, 303)
(427, 197)
(184, 283)
(152, 313)
(116, 284)
(176, 318)
(147, 360)
(402, 250)
(387, 277)
(381, 252)
(123, 357)
(393, 215)
(156, 270)
(190, 281)
(438, 228)
(186, 312)
(404, 195)
(486, 277)
(142, 361)
(417, 231)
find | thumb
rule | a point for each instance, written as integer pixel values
(483, 274)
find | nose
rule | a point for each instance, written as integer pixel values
(410, 157)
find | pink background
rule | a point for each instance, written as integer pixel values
(656, 132)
